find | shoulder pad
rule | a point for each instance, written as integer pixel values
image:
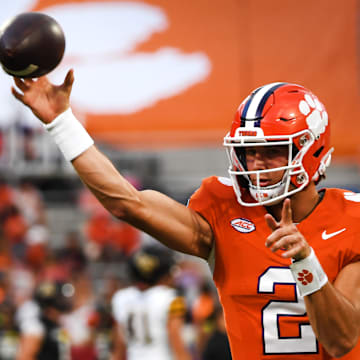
(219, 186)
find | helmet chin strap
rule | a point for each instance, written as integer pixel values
(266, 194)
(275, 191)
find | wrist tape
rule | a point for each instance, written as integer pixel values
(308, 274)
(69, 135)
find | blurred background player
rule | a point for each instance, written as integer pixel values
(217, 345)
(150, 314)
(41, 335)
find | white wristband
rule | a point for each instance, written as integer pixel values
(308, 274)
(69, 135)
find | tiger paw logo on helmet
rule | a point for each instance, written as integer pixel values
(316, 115)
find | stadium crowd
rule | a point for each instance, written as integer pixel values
(62, 295)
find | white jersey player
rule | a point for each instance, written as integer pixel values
(150, 314)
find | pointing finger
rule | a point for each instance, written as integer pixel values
(286, 213)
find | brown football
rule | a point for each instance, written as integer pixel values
(31, 45)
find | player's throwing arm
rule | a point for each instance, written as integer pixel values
(172, 223)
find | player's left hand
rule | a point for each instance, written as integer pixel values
(285, 235)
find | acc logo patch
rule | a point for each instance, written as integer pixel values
(243, 225)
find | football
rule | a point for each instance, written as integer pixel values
(31, 45)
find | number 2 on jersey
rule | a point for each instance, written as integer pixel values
(273, 341)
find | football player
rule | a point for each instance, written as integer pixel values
(39, 322)
(150, 314)
(285, 255)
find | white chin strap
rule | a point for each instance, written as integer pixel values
(265, 194)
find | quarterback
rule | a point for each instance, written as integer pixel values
(285, 256)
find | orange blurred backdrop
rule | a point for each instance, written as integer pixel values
(248, 43)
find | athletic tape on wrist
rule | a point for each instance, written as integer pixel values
(308, 274)
(69, 135)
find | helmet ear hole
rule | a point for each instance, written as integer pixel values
(324, 164)
(318, 151)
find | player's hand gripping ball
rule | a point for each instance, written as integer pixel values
(31, 45)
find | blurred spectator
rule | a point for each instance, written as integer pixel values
(14, 231)
(204, 304)
(22, 284)
(6, 198)
(22, 222)
(72, 255)
(110, 239)
(28, 142)
(190, 276)
(30, 202)
(4, 286)
(202, 311)
(150, 314)
(217, 346)
(102, 324)
(9, 336)
(41, 336)
(115, 239)
(76, 323)
(36, 252)
(5, 254)
(53, 268)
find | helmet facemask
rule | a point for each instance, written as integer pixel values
(274, 193)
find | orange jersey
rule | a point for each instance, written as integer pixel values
(265, 315)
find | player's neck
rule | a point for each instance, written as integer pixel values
(142, 286)
(302, 204)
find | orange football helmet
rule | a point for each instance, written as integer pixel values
(279, 114)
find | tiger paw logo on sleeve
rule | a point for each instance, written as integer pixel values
(305, 276)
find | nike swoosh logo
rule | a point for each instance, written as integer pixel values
(326, 236)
